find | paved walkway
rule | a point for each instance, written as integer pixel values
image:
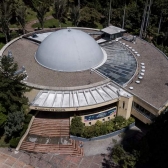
(23, 159)
(95, 153)
(8, 161)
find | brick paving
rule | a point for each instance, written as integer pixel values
(95, 154)
(7, 161)
(29, 160)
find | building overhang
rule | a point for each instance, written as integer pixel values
(74, 100)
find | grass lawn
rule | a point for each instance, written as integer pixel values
(51, 23)
(14, 34)
(31, 15)
(14, 26)
(1, 45)
(99, 26)
(2, 142)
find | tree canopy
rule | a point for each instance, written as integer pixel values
(146, 18)
(155, 143)
(12, 99)
(151, 151)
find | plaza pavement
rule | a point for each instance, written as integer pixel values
(95, 154)
(29, 160)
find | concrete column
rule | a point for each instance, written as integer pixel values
(124, 107)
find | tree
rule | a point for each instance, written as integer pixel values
(3, 119)
(154, 146)
(20, 11)
(11, 87)
(12, 97)
(40, 7)
(14, 123)
(59, 9)
(6, 9)
(75, 15)
(88, 17)
(123, 158)
(76, 126)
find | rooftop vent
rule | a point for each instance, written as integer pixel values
(9, 54)
(34, 35)
(23, 68)
(134, 38)
(138, 81)
(140, 77)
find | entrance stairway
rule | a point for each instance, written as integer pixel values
(52, 129)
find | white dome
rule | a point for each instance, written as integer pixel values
(69, 50)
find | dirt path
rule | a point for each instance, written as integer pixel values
(29, 27)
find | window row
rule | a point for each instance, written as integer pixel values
(143, 111)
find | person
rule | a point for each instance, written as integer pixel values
(9, 149)
(81, 145)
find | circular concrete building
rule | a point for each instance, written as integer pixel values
(96, 74)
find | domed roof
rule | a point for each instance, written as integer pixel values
(69, 50)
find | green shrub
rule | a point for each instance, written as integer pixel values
(14, 142)
(89, 132)
(28, 118)
(99, 128)
(130, 120)
(77, 126)
(25, 126)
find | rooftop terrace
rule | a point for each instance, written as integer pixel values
(153, 87)
(23, 51)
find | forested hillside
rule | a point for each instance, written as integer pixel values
(145, 18)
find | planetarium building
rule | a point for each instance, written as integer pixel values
(96, 74)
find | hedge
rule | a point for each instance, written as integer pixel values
(100, 128)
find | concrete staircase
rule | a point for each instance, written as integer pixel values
(46, 128)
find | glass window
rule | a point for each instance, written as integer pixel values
(123, 104)
(143, 111)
